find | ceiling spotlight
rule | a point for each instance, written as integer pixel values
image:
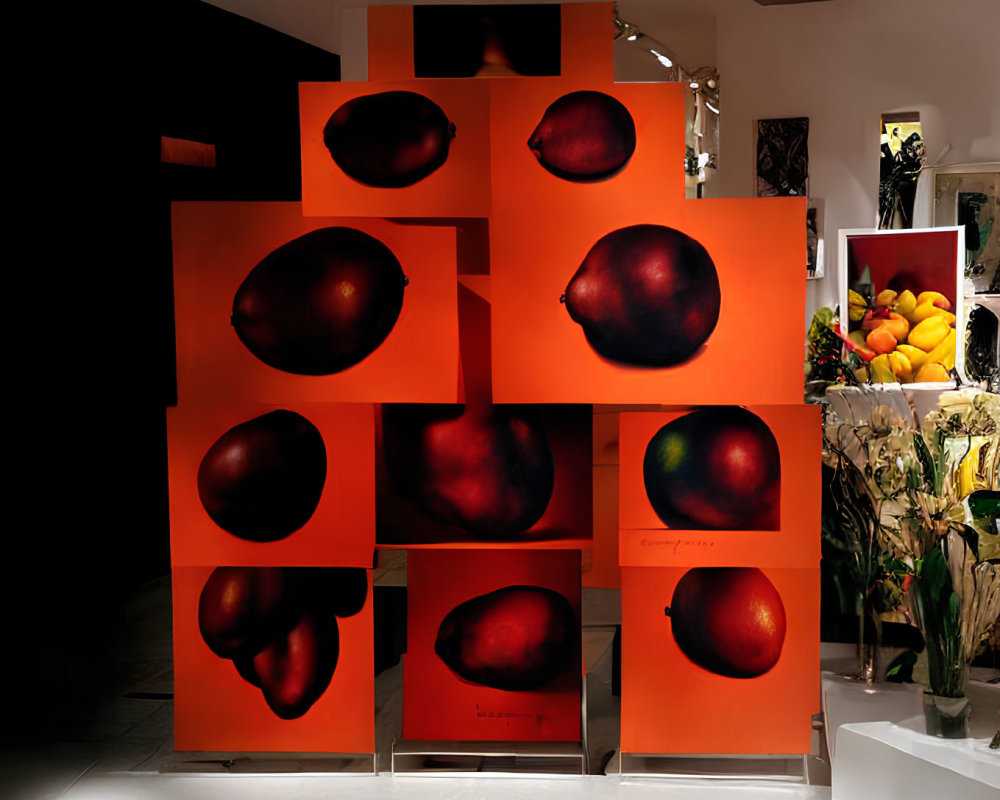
(662, 58)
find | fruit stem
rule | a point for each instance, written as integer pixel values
(667, 611)
(562, 298)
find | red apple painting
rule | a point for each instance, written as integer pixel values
(262, 479)
(584, 136)
(483, 468)
(279, 626)
(389, 139)
(320, 303)
(717, 468)
(517, 638)
(645, 295)
(728, 620)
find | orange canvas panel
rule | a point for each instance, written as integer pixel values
(566, 431)
(340, 532)
(670, 704)
(215, 247)
(440, 705)
(525, 190)
(605, 436)
(217, 710)
(587, 42)
(753, 355)
(606, 430)
(458, 188)
(390, 43)
(565, 523)
(648, 541)
(600, 563)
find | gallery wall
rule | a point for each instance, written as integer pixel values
(842, 63)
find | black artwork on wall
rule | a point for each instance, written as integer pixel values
(782, 157)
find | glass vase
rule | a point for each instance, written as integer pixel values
(868, 641)
(946, 717)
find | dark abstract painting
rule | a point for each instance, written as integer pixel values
(782, 157)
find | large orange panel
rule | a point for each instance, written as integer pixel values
(672, 705)
(646, 540)
(457, 188)
(340, 532)
(217, 710)
(753, 355)
(438, 703)
(216, 245)
(452, 490)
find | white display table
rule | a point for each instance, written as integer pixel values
(885, 761)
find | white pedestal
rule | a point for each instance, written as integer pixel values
(884, 761)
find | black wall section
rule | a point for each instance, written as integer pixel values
(90, 299)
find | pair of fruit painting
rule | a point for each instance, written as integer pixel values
(644, 294)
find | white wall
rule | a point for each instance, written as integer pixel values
(842, 63)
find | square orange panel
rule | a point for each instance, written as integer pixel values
(441, 704)
(459, 187)
(403, 520)
(651, 180)
(671, 704)
(586, 44)
(646, 540)
(215, 709)
(216, 245)
(752, 355)
(341, 529)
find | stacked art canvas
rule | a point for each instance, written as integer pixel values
(411, 358)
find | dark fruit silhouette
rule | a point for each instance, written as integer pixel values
(320, 303)
(485, 469)
(728, 620)
(517, 638)
(584, 136)
(390, 139)
(293, 670)
(646, 294)
(279, 626)
(340, 590)
(263, 479)
(241, 608)
(717, 468)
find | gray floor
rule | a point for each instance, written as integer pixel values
(122, 745)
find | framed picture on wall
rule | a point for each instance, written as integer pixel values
(969, 195)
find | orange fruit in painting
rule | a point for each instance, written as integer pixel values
(881, 340)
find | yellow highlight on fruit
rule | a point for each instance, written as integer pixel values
(932, 372)
(881, 370)
(935, 298)
(885, 298)
(926, 310)
(856, 305)
(916, 356)
(905, 303)
(928, 334)
(900, 366)
(944, 352)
